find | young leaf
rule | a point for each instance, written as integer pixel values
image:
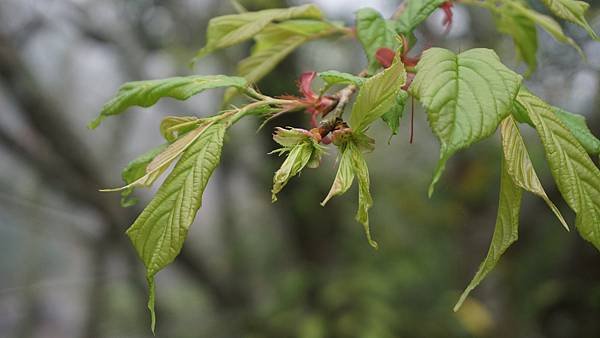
(171, 127)
(523, 32)
(135, 170)
(147, 93)
(547, 23)
(374, 32)
(576, 176)
(160, 230)
(275, 43)
(415, 12)
(377, 96)
(333, 77)
(352, 163)
(465, 95)
(573, 11)
(228, 30)
(519, 166)
(303, 151)
(393, 116)
(506, 230)
(578, 127)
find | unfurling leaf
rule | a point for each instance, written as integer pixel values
(506, 230)
(374, 32)
(333, 77)
(378, 95)
(394, 114)
(172, 127)
(465, 95)
(578, 127)
(415, 12)
(160, 230)
(135, 170)
(228, 30)
(519, 166)
(576, 176)
(303, 150)
(573, 11)
(147, 93)
(351, 164)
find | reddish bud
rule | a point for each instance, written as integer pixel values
(447, 8)
(385, 56)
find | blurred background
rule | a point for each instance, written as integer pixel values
(250, 268)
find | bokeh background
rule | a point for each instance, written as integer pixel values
(250, 268)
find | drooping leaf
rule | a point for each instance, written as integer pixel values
(393, 116)
(506, 230)
(228, 30)
(547, 23)
(352, 163)
(377, 96)
(523, 33)
(275, 43)
(333, 77)
(519, 166)
(135, 170)
(415, 12)
(374, 32)
(303, 150)
(578, 127)
(160, 230)
(465, 95)
(147, 93)
(576, 176)
(573, 11)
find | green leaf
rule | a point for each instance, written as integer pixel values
(415, 12)
(523, 32)
(228, 30)
(374, 32)
(160, 230)
(377, 96)
(275, 43)
(578, 127)
(333, 77)
(135, 170)
(519, 166)
(393, 116)
(576, 176)
(465, 95)
(547, 23)
(573, 11)
(505, 231)
(303, 150)
(171, 127)
(147, 93)
(352, 163)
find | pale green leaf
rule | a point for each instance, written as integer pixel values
(171, 127)
(547, 23)
(275, 43)
(228, 30)
(523, 33)
(377, 96)
(147, 93)
(415, 12)
(160, 230)
(573, 11)
(374, 32)
(578, 127)
(576, 176)
(344, 177)
(303, 150)
(506, 230)
(135, 170)
(365, 202)
(519, 166)
(333, 77)
(393, 116)
(465, 95)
